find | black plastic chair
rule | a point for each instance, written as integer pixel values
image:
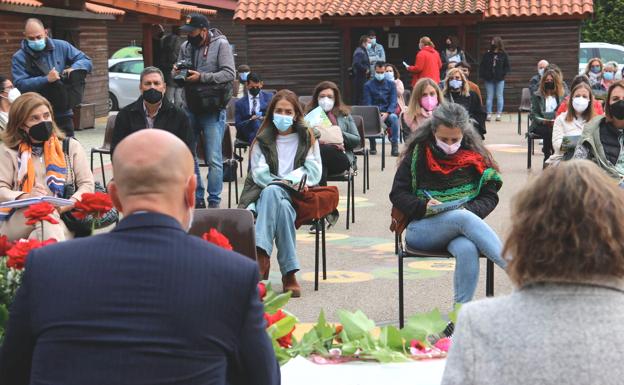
(363, 151)
(373, 129)
(319, 249)
(525, 106)
(349, 177)
(304, 100)
(404, 251)
(236, 224)
(106, 146)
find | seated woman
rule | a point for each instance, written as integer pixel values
(544, 104)
(425, 98)
(8, 94)
(570, 124)
(447, 161)
(563, 106)
(32, 164)
(566, 260)
(600, 141)
(337, 157)
(457, 90)
(593, 71)
(392, 73)
(284, 149)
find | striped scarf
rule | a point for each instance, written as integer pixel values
(450, 177)
(55, 166)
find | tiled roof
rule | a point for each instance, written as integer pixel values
(403, 7)
(90, 7)
(163, 8)
(505, 8)
(26, 3)
(308, 10)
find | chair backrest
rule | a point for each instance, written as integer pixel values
(525, 101)
(359, 123)
(230, 111)
(108, 132)
(371, 117)
(236, 224)
(304, 100)
(227, 147)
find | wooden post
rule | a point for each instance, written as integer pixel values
(148, 50)
(347, 51)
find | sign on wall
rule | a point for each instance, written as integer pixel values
(393, 40)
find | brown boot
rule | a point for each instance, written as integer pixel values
(264, 264)
(289, 281)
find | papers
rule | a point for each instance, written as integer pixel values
(447, 206)
(569, 142)
(317, 118)
(16, 204)
(300, 371)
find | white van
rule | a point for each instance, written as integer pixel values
(605, 51)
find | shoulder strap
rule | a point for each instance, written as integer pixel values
(70, 167)
(32, 64)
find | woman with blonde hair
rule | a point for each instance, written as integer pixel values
(571, 124)
(427, 64)
(33, 164)
(544, 105)
(566, 260)
(593, 70)
(457, 90)
(426, 97)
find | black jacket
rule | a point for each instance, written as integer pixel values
(413, 207)
(472, 104)
(131, 118)
(494, 66)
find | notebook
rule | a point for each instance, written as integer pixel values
(16, 204)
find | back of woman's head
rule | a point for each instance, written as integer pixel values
(567, 225)
(579, 79)
(426, 41)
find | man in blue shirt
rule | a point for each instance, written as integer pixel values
(382, 93)
(40, 65)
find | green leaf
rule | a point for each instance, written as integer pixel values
(4, 316)
(390, 337)
(324, 330)
(453, 315)
(276, 302)
(420, 326)
(356, 325)
(282, 327)
(386, 356)
(309, 344)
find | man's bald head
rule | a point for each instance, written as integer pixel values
(542, 64)
(34, 29)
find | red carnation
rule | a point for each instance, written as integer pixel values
(261, 290)
(17, 254)
(217, 238)
(5, 245)
(96, 204)
(39, 212)
(285, 341)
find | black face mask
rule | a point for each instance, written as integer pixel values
(617, 109)
(41, 131)
(152, 96)
(492, 47)
(195, 41)
(254, 91)
(549, 86)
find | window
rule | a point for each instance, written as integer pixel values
(128, 67)
(584, 55)
(610, 54)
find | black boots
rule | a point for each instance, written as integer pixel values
(395, 149)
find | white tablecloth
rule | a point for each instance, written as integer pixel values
(300, 371)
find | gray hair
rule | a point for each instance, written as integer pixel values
(151, 70)
(451, 115)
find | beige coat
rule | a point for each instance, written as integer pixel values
(15, 226)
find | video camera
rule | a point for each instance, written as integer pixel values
(183, 67)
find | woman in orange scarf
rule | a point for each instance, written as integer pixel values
(32, 164)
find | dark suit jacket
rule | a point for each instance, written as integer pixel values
(131, 118)
(246, 129)
(144, 304)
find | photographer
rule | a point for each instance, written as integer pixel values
(152, 110)
(207, 88)
(47, 66)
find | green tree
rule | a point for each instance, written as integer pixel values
(606, 23)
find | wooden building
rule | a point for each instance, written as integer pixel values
(86, 26)
(296, 44)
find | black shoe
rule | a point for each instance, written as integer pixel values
(312, 229)
(373, 151)
(395, 149)
(200, 204)
(213, 205)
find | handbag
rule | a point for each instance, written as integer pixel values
(202, 98)
(331, 134)
(399, 221)
(83, 227)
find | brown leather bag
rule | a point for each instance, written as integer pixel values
(399, 221)
(314, 203)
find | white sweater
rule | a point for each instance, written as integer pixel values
(562, 128)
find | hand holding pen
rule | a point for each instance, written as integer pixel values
(432, 201)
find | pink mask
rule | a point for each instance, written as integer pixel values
(449, 149)
(429, 103)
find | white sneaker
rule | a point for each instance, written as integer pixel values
(489, 117)
(498, 117)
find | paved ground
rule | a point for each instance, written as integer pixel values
(362, 266)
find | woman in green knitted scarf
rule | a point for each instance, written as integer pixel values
(446, 183)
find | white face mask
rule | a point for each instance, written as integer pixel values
(326, 103)
(580, 104)
(190, 222)
(448, 149)
(13, 94)
(4, 116)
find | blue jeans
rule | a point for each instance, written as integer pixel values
(276, 221)
(212, 125)
(393, 121)
(498, 88)
(465, 236)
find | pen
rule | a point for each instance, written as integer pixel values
(427, 194)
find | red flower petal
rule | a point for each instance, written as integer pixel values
(214, 236)
(39, 212)
(261, 290)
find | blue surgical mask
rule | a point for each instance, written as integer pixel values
(243, 76)
(389, 75)
(373, 41)
(368, 45)
(282, 122)
(36, 45)
(595, 69)
(380, 77)
(608, 75)
(455, 84)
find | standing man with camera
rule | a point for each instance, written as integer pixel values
(207, 89)
(47, 66)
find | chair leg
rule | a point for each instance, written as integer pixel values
(324, 249)
(529, 150)
(352, 183)
(240, 164)
(364, 174)
(489, 279)
(236, 190)
(396, 243)
(383, 152)
(519, 123)
(316, 256)
(91, 160)
(401, 316)
(367, 170)
(229, 194)
(348, 203)
(103, 172)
